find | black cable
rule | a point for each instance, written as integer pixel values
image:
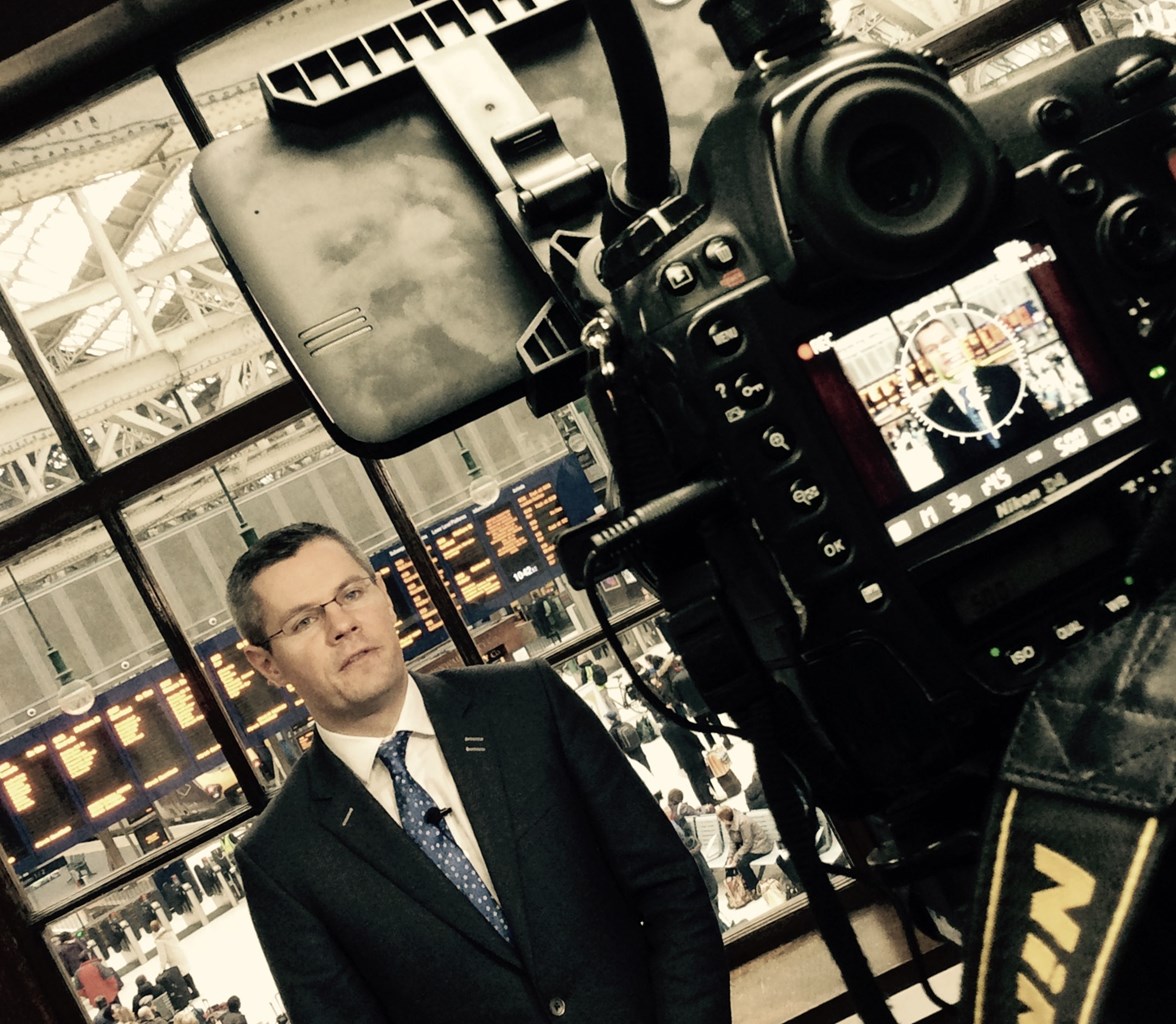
(642, 687)
(791, 814)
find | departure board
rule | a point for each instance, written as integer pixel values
(11, 841)
(544, 513)
(35, 793)
(464, 556)
(423, 608)
(257, 700)
(512, 545)
(91, 763)
(178, 695)
(150, 737)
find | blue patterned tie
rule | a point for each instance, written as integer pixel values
(436, 841)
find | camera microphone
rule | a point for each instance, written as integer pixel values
(434, 815)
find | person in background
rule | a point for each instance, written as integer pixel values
(144, 990)
(756, 801)
(744, 839)
(466, 847)
(171, 954)
(95, 980)
(627, 738)
(72, 952)
(677, 808)
(233, 1014)
(688, 751)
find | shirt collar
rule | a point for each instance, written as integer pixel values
(359, 752)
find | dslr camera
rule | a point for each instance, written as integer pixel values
(889, 396)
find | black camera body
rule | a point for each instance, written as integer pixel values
(937, 528)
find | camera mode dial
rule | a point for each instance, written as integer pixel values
(650, 235)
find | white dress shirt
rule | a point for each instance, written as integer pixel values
(425, 763)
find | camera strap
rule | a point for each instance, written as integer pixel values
(1077, 830)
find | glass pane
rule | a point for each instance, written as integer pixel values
(1115, 19)
(185, 915)
(488, 499)
(104, 752)
(34, 466)
(195, 529)
(114, 276)
(1014, 62)
(694, 774)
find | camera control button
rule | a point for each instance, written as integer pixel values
(1072, 630)
(806, 496)
(678, 278)
(872, 593)
(1057, 117)
(833, 547)
(776, 445)
(720, 253)
(752, 389)
(1080, 185)
(1022, 656)
(1138, 74)
(1117, 604)
(725, 337)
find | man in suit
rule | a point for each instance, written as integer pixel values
(585, 906)
(977, 410)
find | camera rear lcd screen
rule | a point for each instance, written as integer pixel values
(952, 400)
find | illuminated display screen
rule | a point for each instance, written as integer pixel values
(91, 762)
(183, 706)
(950, 402)
(150, 737)
(512, 545)
(256, 699)
(544, 513)
(36, 795)
(463, 554)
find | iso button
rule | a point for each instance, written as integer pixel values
(1022, 657)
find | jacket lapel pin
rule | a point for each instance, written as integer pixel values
(347, 817)
(478, 748)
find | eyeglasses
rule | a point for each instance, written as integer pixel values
(352, 594)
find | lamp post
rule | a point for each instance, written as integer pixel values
(76, 696)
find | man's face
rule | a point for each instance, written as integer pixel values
(943, 350)
(348, 667)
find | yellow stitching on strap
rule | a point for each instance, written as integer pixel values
(1130, 884)
(998, 866)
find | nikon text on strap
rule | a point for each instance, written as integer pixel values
(1077, 828)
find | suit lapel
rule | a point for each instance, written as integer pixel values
(465, 731)
(346, 810)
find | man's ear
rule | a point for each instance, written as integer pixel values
(264, 662)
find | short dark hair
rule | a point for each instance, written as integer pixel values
(932, 322)
(233, 1003)
(276, 546)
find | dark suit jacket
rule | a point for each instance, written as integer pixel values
(999, 386)
(610, 917)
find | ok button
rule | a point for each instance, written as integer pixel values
(833, 547)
